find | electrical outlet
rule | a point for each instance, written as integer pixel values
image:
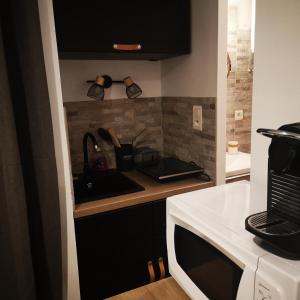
(239, 115)
(197, 117)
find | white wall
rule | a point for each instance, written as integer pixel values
(69, 257)
(221, 92)
(75, 73)
(276, 91)
(203, 73)
(195, 75)
(244, 8)
(245, 14)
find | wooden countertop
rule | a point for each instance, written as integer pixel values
(166, 289)
(153, 191)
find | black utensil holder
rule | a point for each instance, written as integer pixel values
(125, 157)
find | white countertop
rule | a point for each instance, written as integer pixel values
(237, 164)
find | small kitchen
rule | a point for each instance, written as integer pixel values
(138, 131)
(140, 88)
(113, 179)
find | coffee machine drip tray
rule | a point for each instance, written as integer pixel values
(276, 230)
(265, 223)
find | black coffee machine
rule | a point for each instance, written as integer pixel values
(278, 228)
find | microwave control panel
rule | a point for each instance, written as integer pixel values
(265, 291)
(277, 279)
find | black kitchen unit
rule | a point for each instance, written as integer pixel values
(118, 29)
(114, 249)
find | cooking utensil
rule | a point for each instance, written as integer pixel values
(105, 135)
(114, 137)
(140, 133)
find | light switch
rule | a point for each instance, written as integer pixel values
(197, 117)
(239, 115)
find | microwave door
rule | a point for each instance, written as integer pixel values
(210, 270)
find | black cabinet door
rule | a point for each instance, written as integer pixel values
(159, 236)
(91, 28)
(113, 250)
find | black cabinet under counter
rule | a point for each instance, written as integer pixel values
(115, 248)
(117, 29)
(121, 239)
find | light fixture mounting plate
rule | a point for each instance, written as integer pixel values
(107, 81)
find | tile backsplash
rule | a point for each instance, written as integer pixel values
(168, 123)
(239, 82)
(127, 117)
(181, 140)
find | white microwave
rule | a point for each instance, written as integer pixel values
(212, 256)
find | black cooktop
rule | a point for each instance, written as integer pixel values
(168, 169)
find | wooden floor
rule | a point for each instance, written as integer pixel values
(166, 289)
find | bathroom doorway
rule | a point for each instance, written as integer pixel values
(240, 64)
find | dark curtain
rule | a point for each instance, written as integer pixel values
(16, 271)
(30, 217)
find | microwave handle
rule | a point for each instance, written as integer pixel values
(271, 133)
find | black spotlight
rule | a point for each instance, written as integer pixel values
(96, 91)
(132, 89)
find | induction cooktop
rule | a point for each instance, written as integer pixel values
(167, 169)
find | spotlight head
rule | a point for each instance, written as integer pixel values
(96, 91)
(132, 89)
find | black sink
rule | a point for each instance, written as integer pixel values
(100, 185)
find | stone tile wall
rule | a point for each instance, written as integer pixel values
(239, 83)
(168, 123)
(128, 117)
(181, 140)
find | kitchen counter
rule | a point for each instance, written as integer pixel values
(153, 191)
(166, 289)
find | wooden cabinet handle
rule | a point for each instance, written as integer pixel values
(127, 47)
(161, 268)
(151, 271)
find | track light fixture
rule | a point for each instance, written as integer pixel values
(96, 91)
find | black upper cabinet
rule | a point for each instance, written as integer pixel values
(90, 29)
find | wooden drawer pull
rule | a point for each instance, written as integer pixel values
(127, 47)
(151, 271)
(161, 268)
